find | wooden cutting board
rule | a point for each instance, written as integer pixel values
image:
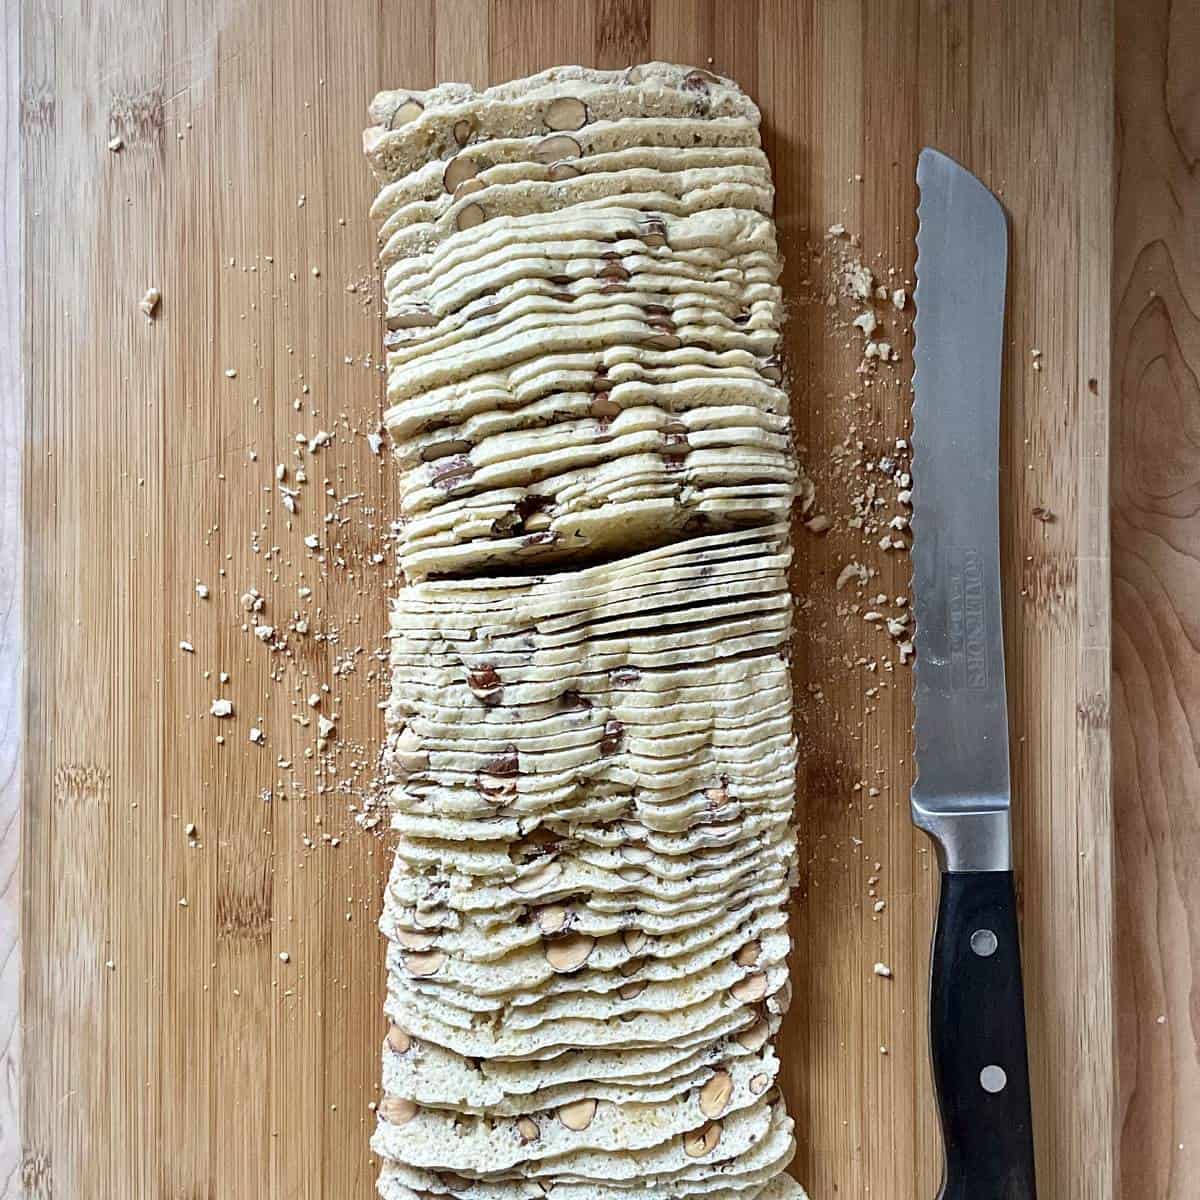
(199, 1062)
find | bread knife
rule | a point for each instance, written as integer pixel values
(962, 794)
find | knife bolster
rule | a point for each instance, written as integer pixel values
(968, 840)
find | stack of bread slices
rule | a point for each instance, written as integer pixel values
(590, 749)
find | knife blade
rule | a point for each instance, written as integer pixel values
(962, 794)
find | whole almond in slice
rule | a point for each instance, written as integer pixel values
(604, 410)
(423, 963)
(716, 1093)
(577, 1116)
(538, 878)
(447, 473)
(566, 112)
(470, 216)
(527, 1130)
(397, 1111)
(571, 952)
(398, 1040)
(614, 733)
(747, 956)
(412, 317)
(636, 854)
(458, 170)
(702, 1141)
(504, 765)
(496, 788)
(411, 940)
(758, 1084)
(409, 752)
(445, 449)
(467, 187)
(558, 147)
(430, 918)
(634, 939)
(552, 919)
(462, 131)
(754, 1038)
(631, 966)
(662, 341)
(562, 170)
(631, 991)
(750, 989)
(782, 1000)
(405, 111)
(613, 270)
(632, 874)
(484, 682)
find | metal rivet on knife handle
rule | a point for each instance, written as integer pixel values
(993, 1079)
(984, 943)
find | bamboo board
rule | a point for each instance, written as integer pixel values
(201, 1064)
(1156, 666)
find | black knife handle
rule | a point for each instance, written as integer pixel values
(977, 1035)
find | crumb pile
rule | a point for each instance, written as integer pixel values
(590, 757)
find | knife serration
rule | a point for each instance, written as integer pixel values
(962, 794)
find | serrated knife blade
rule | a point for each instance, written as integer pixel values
(962, 794)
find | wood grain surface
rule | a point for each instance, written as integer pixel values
(1156, 580)
(199, 1063)
(12, 407)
